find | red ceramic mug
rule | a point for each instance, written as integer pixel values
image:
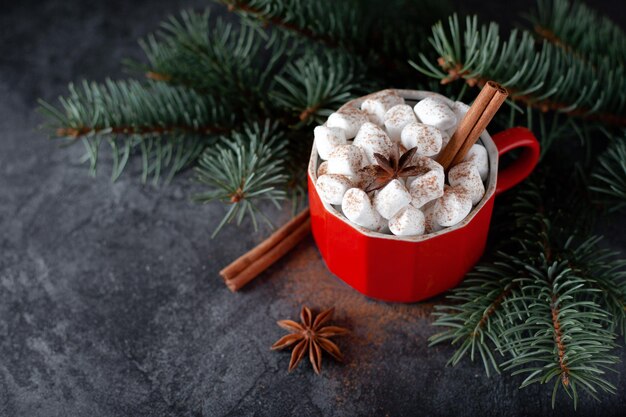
(402, 269)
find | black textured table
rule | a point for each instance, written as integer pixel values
(110, 302)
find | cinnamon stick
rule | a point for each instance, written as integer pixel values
(481, 124)
(465, 127)
(245, 268)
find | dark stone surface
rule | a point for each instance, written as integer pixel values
(110, 302)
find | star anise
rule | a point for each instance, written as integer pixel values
(309, 335)
(389, 169)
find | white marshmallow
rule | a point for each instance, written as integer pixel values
(445, 139)
(384, 228)
(409, 221)
(396, 118)
(459, 109)
(426, 188)
(376, 105)
(322, 169)
(372, 139)
(477, 155)
(425, 164)
(327, 139)
(466, 176)
(349, 119)
(332, 187)
(430, 224)
(346, 160)
(357, 207)
(393, 197)
(435, 112)
(427, 139)
(452, 207)
(360, 178)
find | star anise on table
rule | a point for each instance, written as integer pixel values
(309, 336)
(378, 175)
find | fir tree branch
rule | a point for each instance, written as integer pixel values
(317, 84)
(129, 107)
(609, 177)
(329, 23)
(157, 76)
(493, 307)
(559, 340)
(71, 132)
(564, 336)
(383, 34)
(542, 304)
(603, 270)
(214, 57)
(243, 170)
(168, 126)
(576, 28)
(546, 78)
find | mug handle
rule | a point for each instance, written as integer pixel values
(513, 138)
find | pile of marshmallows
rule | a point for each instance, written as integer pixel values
(406, 206)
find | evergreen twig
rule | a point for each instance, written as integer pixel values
(214, 57)
(543, 305)
(312, 20)
(547, 77)
(383, 34)
(242, 170)
(168, 126)
(609, 177)
(317, 84)
(576, 28)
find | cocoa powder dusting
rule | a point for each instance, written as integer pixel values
(353, 202)
(462, 170)
(322, 169)
(308, 281)
(303, 279)
(431, 183)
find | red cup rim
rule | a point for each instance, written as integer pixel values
(413, 96)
